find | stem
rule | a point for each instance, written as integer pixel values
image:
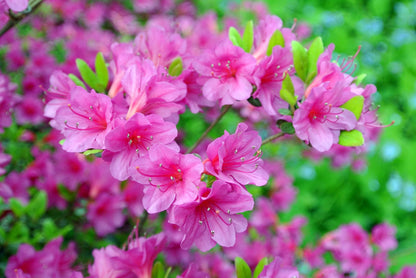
(271, 138)
(14, 19)
(226, 108)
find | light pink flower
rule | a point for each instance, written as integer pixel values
(235, 158)
(85, 121)
(171, 178)
(226, 73)
(383, 235)
(132, 139)
(320, 118)
(212, 218)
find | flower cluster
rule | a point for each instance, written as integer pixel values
(115, 154)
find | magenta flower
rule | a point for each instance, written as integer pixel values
(4, 161)
(226, 73)
(276, 269)
(17, 5)
(132, 139)
(171, 178)
(136, 261)
(382, 235)
(106, 213)
(269, 75)
(85, 121)
(59, 93)
(148, 93)
(7, 101)
(235, 158)
(49, 262)
(320, 119)
(212, 218)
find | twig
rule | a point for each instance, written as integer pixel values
(14, 19)
(226, 108)
(271, 138)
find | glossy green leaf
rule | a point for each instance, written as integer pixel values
(37, 205)
(87, 74)
(248, 37)
(315, 50)
(300, 59)
(176, 67)
(260, 266)
(286, 112)
(93, 151)
(242, 268)
(275, 39)
(351, 138)
(254, 101)
(102, 71)
(77, 81)
(355, 105)
(158, 271)
(359, 79)
(287, 93)
(17, 207)
(286, 127)
(18, 233)
(235, 37)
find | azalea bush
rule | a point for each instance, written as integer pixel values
(161, 138)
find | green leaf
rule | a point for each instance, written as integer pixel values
(158, 271)
(315, 50)
(286, 127)
(359, 79)
(176, 67)
(102, 71)
(275, 39)
(248, 37)
(87, 74)
(18, 233)
(235, 37)
(93, 151)
(355, 105)
(351, 138)
(287, 93)
(17, 207)
(65, 193)
(242, 268)
(254, 101)
(300, 59)
(61, 142)
(37, 206)
(260, 266)
(77, 81)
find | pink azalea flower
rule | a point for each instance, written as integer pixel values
(235, 158)
(85, 121)
(226, 73)
(148, 93)
(269, 75)
(4, 161)
(132, 139)
(106, 213)
(59, 93)
(133, 195)
(7, 101)
(17, 5)
(320, 119)
(171, 178)
(29, 111)
(382, 235)
(49, 262)
(136, 261)
(275, 269)
(159, 45)
(264, 30)
(212, 218)
(15, 185)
